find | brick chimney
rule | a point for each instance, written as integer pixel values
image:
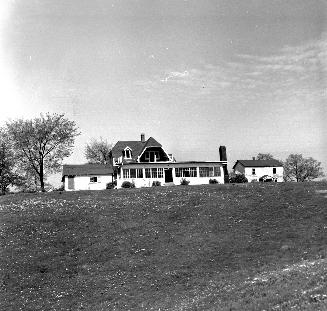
(142, 137)
(253, 158)
(222, 153)
(223, 157)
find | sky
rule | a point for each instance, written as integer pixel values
(247, 74)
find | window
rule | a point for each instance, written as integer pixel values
(152, 156)
(160, 172)
(148, 173)
(210, 171)
(193, 172)
(154, 173)
(185, 172)
(217, 171)
(204, 171)
(132, 173)
(126, 173)
(127, 153)
(274, 170)
(139, 172)
(253, 171)
(94, 179)
(147, 155)
(71, 182)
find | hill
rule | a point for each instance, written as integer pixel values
(226, 247)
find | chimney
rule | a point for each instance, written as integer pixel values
(223, 157)
(142, 137)
(253, 158)
(222, 153)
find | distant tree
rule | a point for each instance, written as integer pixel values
(42, 143)
(98, 151)
(297, 168)
(9, 175)
(265, 156)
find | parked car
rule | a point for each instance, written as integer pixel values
(266, 178)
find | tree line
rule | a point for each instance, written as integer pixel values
(31, 150)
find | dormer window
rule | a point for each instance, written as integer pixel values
(152, 156)
(127, 153)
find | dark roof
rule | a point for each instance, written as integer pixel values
(151, 142)
(258, 163)
(87, 169)
(136, 146)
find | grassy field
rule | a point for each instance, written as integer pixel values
(213, 247)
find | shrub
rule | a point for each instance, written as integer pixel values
(184, 182)
(128, 184)
(61, 188)
(238, 178)
(156, 183)
(111, 185)
(213, 181)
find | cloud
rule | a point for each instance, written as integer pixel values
(175, 75)
(288, 74)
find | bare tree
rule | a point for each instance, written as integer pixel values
(98, 151)
(43, 142)
(265, 156)
(301, 169)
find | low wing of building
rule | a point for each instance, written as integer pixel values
(87, 176)
(260, 170)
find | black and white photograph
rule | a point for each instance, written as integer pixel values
(163, 155)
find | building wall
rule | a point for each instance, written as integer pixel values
(259, 172)
(147, 182)
(83, 182)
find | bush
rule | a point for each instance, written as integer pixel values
(61, 188)
(156, 183)
(184, 182)
(111, 185)
(213, 181)
(238, 179)
(128, 184)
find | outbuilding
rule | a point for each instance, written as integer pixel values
(260, 170)
(87, 176)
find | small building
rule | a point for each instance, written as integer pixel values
(260, 170)
(87, 176)
(146, 161)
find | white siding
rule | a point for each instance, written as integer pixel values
(83, 182)
(261, 171)
(147, 182)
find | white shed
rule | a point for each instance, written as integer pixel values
(260, 169)
(86, 176)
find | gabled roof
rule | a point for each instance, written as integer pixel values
(151, 142)
(136, 146)
(87, 169)
(258, 163)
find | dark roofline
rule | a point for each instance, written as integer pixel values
(87, 169)
(259, 163)
(171, 163)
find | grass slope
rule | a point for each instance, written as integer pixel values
(246, 247)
